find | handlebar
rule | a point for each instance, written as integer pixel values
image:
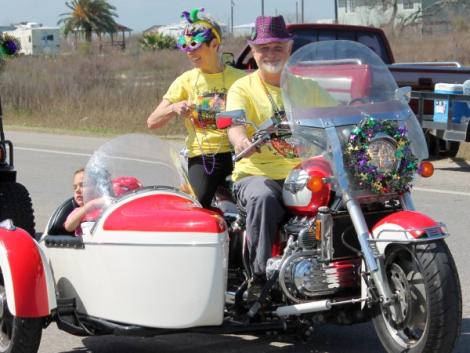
(257, 141)
(263, 136)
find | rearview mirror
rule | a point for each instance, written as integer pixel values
(230, 118)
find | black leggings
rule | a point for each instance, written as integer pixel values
(204, 184)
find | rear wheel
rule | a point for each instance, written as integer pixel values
(428, 312)
(17, 335)
(15, 203)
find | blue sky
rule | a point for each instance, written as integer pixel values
(141, 14)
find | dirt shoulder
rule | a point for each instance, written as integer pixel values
(464, 151)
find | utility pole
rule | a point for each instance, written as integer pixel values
(302, 11)
(262, 7)
(336, 11)
(296, 12)
(232, 5)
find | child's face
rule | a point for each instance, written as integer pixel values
(78, 188)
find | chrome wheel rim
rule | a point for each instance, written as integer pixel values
(6, 322)
(406, 320)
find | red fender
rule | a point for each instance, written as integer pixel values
(23, 273)
(415, 223)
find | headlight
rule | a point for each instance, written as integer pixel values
(381, 152)
(296, 180)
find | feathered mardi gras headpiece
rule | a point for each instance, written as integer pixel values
(9, 46)
(199, 29)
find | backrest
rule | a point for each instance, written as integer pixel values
(55, 225)
(344, 82)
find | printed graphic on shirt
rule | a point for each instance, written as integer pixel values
(207, 106)
(283, 145)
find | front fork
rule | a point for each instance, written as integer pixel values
(374, 263)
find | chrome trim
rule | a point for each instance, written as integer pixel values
(432, 233)
(7, 224)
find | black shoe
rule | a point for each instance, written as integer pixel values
(255, 287)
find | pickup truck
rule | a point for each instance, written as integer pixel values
(420, 76)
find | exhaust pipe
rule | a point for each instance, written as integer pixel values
(304, 308)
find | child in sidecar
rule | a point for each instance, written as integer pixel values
(82, 217)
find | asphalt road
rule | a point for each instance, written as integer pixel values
(46, 162)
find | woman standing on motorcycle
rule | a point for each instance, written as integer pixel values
(197, 96)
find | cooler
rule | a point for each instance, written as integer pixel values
(441, 106)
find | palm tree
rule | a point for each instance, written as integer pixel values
(89, 16)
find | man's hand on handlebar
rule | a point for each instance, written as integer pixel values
(244, 144)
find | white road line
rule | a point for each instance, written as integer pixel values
(52, 151)
(87, 155)
(460, 193)
(438, 191)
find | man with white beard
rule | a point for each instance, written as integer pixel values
(259, 176)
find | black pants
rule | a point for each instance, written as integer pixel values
(207, 173)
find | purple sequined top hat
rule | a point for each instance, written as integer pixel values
(270, 29)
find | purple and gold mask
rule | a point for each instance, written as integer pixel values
(197, 31)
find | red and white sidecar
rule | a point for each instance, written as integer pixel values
(154, 258)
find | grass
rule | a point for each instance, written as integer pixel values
(114, 91)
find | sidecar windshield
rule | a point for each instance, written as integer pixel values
(132, 162)
(340, 96)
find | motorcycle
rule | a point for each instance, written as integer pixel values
(352, 248)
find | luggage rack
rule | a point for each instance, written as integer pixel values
(448, 130)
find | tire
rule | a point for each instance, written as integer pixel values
(433, 145)
(450, 148)
(18, 335)
(430, 300)
(15, 203)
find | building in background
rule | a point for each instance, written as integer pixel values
(36, 39)
(174, 30)
(243, 30)
(373, 13)
(426, 16)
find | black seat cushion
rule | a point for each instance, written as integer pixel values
(55, 226)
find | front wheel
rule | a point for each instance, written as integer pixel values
(428, 312)
(18, 335)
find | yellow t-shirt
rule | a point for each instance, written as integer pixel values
(249, 94)
(208, 92)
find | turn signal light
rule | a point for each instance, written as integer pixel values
(315, 183)
(426, 169)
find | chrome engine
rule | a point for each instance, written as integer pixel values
(307, 269)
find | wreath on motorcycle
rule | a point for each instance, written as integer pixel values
(379, 156)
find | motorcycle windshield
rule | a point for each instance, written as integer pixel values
(342, 102)
(131, 162)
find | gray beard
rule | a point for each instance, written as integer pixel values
(272, 68)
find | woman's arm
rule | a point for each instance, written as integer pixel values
(167, 110)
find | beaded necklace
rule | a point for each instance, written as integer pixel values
(201, 125)
(279, 115)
